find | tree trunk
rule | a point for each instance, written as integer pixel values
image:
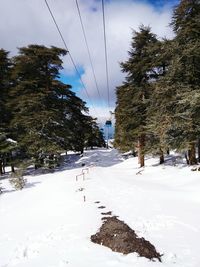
(12, 168)
(141, 145)
(192, 154)
(162, 159)
(168, 152)
(198, 149)
(1, 168)
(186, 157)
(4, 166)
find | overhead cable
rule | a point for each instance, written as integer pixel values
(75, 67)
(106, 54)
(88, 50)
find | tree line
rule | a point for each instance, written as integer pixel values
(40, 116)
(158, 104)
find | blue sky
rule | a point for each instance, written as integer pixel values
(161, 3)
(73, 80)
(29, 22)
(158, 5)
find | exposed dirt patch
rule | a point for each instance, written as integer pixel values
(101, 207)
(105, 217)
(107, 213)
(119, 237)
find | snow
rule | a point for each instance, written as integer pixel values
(11, 141)
(49, 224)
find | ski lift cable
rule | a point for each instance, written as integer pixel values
(106, 54)
(88, 49)
(65, 45)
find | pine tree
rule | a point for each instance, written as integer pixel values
(77, 121)
(186, 21)
(160, 109)
(5, 83)
(184, 74)
(33, 97)
(131, 110)
(125, 138)
(46, 113)
(94, 136)
(5, 66)
(177, 93)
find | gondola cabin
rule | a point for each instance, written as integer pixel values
(108, 123)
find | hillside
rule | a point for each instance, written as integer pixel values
(49, 223)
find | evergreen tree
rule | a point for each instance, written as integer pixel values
(5, 83)
(125, 138)
(135, 92)
(161, 107)
(5, 68)
(184, 75)
(46, 113)
(94, 136)
(186, 21)
(173, 113)
(77, 119)
(33, 98)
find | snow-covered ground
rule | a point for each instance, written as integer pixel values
(48, 224)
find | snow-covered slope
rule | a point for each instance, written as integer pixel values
(49, 223)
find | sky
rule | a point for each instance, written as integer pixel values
(25, 22)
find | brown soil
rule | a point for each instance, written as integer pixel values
(105, 217)
(119, 237)
(107, 213)
(101, 207)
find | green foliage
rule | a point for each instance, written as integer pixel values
(186, 21)
(47, 115)
(184, 74)
(160, 97)
(40, 116)
(6, 145)
(5, 72)
(34, 97)
(94, 136)
(125, 135)
(133, 96)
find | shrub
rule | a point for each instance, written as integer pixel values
(17, 180)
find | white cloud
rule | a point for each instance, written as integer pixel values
(24, 22)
